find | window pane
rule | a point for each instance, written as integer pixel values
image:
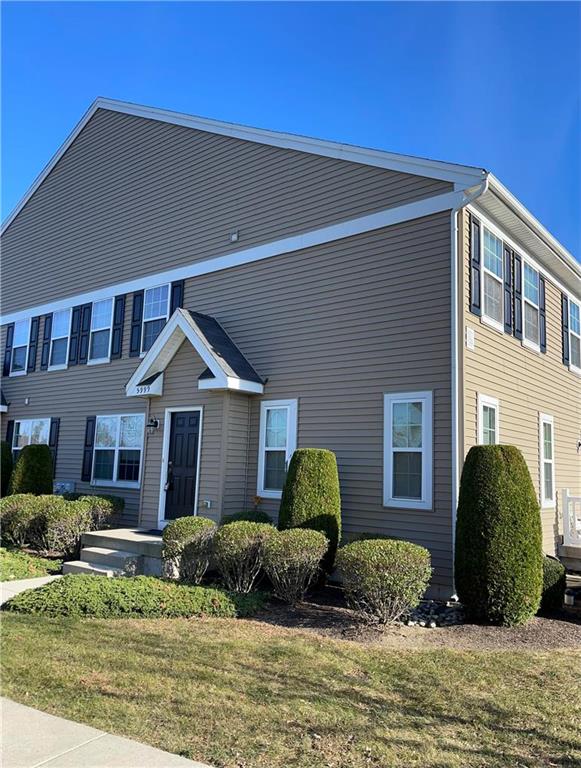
(407, 425)
(488, 425)
(106, 436)
(276, 419)
(104, 461)
(129, 466)
(20, 337)
(407, 475)
(547, 441)
(101, 314)
(99, 345)
(274, 470)
(155, 304)
(492, 253)
(39, 432)
(19, 359)
(548, 477)
(131, 431)
(574, 318)
(151, 331)
(58, 355)
(575, 351)
(531, 284)
(21, 434)
(531, 323)
(61, 323)
(492, 298)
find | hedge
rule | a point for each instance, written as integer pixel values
(187, 548)
(250, 515)
(554, 585)
(238, 553)
(498, 562)
(291, 561)
(6, 465)
(33, 471)
(58, 525)
(16, 515)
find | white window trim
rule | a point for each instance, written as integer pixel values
(20, 373)
(29, 421)
(535, 346)
(117, 448)
(427, 450)
(157, 317)
(291, 441)
(499, 326)
(61, 366)
(545, 418)
(491, 402)
(572, 367)
(99, 360)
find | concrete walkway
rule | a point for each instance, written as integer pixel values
(10, 588)
(31, 739)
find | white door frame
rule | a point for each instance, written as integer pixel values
(161, 521)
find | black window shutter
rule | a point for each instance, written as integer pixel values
(517, 296)
(475, 291)
(177, 296)
(88, 448)
(10, 432)
(8, 349)
(565, 319)
(33, 344)
(53, 439)
(117, 331)
(75, 335)
(44, 357)
(542, 315)
(507, 290)
(84, 333)
(136, 318)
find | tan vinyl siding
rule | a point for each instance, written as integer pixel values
(236, 491)
(133, 196)
(526, 383)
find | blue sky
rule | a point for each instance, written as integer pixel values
(496, 85)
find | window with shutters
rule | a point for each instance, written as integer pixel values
(278, 441)
(20, 341)
(29, 432)
(407, 435)
(488, 420)
(492, 280)
(531, 307)
(118, 448)
(101, 322)
(155, 314)
(59, 339)
(547, 460)
(574, 337)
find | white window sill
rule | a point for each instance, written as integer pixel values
(113, 484)
(494, 324)
(407, 504)
(531, 345)
(549, 505)
(62, 367)
(574, 369)
(13, 374)
(99, 361)
(268, 494)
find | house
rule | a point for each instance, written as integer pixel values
(185, 301)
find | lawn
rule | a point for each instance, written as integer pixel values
(244, 694)
(20, 565)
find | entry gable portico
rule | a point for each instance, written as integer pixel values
(227, 368)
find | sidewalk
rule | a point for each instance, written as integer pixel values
(31, 739)
(11, 588)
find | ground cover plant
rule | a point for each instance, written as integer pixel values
(22, 565)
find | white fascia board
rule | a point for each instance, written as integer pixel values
(233, 384)
(146, 390)
(349, 228)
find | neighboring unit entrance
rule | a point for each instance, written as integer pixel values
(182, 468)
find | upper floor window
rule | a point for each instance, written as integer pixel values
(59, 338)
(278, 440)
(492, 279)
(20, 347)
(574, 335)
(547, 460)
(155, 314)
(101, 321)
(488, 421)
(118, 449)
(531, 300)
(30, 432)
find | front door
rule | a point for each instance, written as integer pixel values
(182, 464)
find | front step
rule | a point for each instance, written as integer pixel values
(118, 559)
(90, 569)
(126, 540)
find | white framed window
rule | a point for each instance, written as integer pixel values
(488, 420)
(574, 336)
(407, 460)
(531, 312)
(155, 314)
(59, 339)
(547, 460)
(278, 441)
(20, 342)
(29, 432)
(101, 322)
(492, 280)
(118, 450)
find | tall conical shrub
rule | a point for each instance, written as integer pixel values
(5, 467)
(33, 471)
(498, 562)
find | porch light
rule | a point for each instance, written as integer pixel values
(152, 425)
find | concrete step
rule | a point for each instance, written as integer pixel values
(113, 558)
(125, 539)
(571, 563)
(570, 550)
(90, 569)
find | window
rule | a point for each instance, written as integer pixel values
(488, 421)
(155, 313)
(30, 432)
(407, 481)
(59, 339)
(531, 306)
(492, 279)
(278, 440)
(20, 348)
(574, 336)
(547, 460)
(101, 320)
(118, 450)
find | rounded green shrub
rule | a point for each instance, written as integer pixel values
(5, 467)
(311, 497)
(17, 513)
(58, 525)
(102, 510)
(117, 502)
(498, 562)
(187, 548)
(33, 471)
(137, 597)
(383, 579)
(238, 553)
(251, 515)
(291, 560)
(554, 584)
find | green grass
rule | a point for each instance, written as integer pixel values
(239, 693)
(20, 565)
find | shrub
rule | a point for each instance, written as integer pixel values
(238, 553)
(58, 524)
(16, 515)
(118, 502)
(5, 467)
(383, 579)
(311, 497)
(291, 561)
(187, 548)
(33, 472)
(138, 596)
(554, 584)
(251, 515)
(102, 510)
(498, 564)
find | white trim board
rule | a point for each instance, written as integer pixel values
(349, 228)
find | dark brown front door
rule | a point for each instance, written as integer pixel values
(182, 464)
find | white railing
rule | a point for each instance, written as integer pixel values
(571, 518)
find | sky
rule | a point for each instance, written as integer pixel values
(495, 85)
